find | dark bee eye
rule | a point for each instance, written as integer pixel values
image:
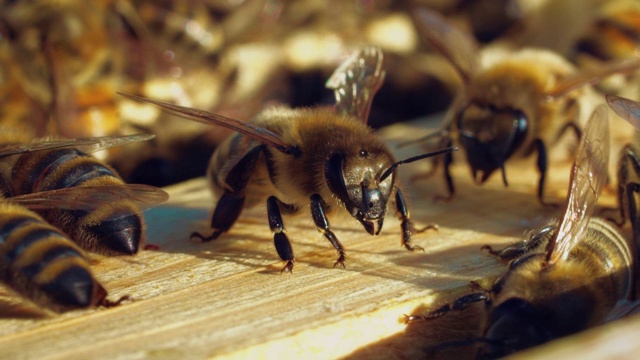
(364, 153)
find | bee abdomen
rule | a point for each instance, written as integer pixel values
(611, 251)
(117, 228)
(56, 169)
(79, 174)
(119, 233)
(42, 264)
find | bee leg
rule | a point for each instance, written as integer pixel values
(407, 224)
(280, 239)
(224, 216)
(231, 202)
(322, 224)
(448, 160)
(628, 161)
(520, 248)
(542, 168)
(628, 187)
(460, 304)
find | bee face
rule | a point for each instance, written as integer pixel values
(355, 179)
(489, 136)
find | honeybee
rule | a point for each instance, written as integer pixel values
(565, 277)
(324, 158)
(44, 265)
(514, 103)
(57, 276)
(113, 227)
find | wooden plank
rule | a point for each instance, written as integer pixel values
(228, 298)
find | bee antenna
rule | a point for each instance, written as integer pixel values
(392, 168)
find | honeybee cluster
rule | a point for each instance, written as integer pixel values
(512, 86)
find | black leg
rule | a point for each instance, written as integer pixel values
(231, 202)
(317, 213)
(448, 179)
(520, 248)
(407, 225)
(542, 169)
(570, 126)
(460, 304)
(627, 163)
(280, 239)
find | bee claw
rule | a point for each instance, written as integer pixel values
(289, 267)
(109, 304)
(490, 250)
(340, 261)
(203, 238)
(413, 247)
(443, 198)
(428, 227)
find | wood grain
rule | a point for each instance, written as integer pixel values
(228, 298)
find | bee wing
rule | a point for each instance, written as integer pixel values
(627, 109)
(356, 81)
(592, 76)
(588, 177)
(92, 197)
(263, 135)
(91, 144)
(457, 46)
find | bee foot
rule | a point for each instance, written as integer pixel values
(109, 304)
(490, 250)
(550, 205)
(340, 261)
(442, 198)
(289, 267)
(151, 247)
(413, 247)
(428, 227)
(214, 235)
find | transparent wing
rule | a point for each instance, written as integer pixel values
(263, 135)
(627, 109)
(356, 81)
(91, 144)
(92, 197)
(593, 76)
(588, 177)
(457, 46)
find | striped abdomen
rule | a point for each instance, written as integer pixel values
(42, 264)
(117, 228)
(609, 252)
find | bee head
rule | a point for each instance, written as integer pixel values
(356, 180)
(489, 136)
(513, 325)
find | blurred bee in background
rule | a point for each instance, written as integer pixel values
(514, 103)
(229, 57)
(566, 277)
(74, 48)
(613, 33)
(323, 157)
(114, 228)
